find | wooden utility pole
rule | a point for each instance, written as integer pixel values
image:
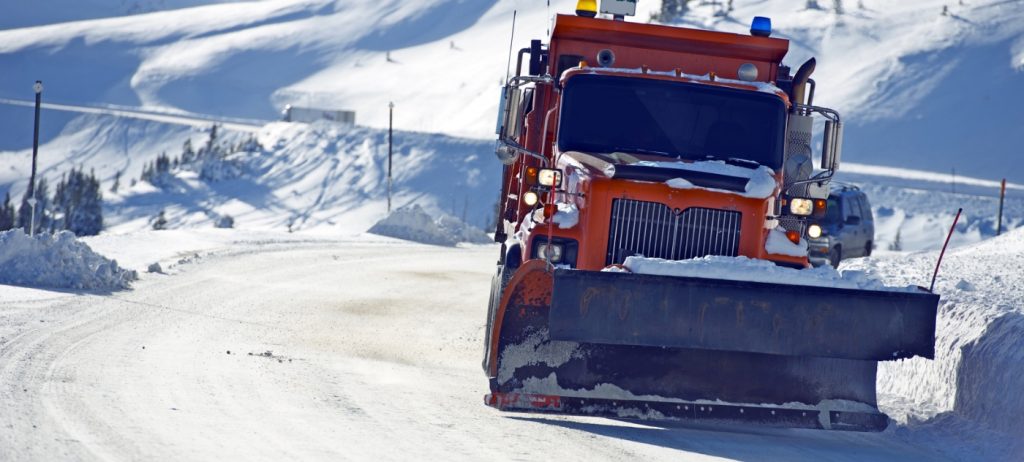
(391, 119)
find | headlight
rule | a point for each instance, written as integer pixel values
(550, 252)
(549, 177)
(814, 231)
(800, 206)
(530, 198)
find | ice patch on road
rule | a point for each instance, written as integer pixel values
(412, 223)
(57, 261)
(748, 269)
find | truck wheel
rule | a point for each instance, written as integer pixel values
(498, 283)
(835, 256)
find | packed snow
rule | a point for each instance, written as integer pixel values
(778, 244)
(749, 269)
(567, 215)
(412, 223)
(58, 261)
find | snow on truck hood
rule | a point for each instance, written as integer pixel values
(760, 181)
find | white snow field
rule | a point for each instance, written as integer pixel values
(277, 346)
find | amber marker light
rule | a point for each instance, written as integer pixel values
(793, 236)
(586, 8)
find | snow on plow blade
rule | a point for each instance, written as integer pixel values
(756, 317)
(628, 345)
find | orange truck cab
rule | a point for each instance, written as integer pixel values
(619, 125)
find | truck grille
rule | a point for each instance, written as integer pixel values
(656, 231)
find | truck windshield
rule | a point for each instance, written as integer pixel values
(603, 114)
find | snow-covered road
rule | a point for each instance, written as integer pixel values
(316, 350)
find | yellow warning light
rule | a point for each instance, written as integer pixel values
(586, 8)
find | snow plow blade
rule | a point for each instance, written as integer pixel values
(755, 317)
(656, 347)
(688, 411)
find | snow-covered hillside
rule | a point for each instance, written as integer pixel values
(920, 89)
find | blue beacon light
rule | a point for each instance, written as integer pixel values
(761, 27)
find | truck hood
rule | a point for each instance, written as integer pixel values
(713, 175)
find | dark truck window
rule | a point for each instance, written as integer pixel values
(604, 114)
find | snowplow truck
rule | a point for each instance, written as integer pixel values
(621, 140)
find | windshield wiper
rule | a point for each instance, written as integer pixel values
(642, 151)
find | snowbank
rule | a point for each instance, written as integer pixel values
(748, 269)
(57, 261)
(979, 346)
(412, 223)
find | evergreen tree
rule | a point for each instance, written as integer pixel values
(211, 142)
(6, 213)
(117, 182)
(897, 244)
(78, 204)
(673, 10)
(160, 221)
(187, 154)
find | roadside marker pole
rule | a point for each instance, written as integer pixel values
(1002, 195)
(391, 118)
(38, 88)
(931, 288)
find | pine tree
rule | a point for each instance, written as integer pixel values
(6, 213)
(187, 153)
(160, 221)
(212, 140)
(673, 10)
(77, 204)
(117, 182)
(897, 244)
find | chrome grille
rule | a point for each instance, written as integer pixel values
(654, 230)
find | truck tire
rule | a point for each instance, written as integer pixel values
(835, 256)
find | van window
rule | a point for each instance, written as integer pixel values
(850, 208)
(865, 208)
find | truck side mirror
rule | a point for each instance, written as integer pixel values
(831, 145)
(509, 123)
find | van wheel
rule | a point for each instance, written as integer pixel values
(834, 256)
(867, 249)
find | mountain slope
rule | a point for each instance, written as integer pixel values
(919, 88)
